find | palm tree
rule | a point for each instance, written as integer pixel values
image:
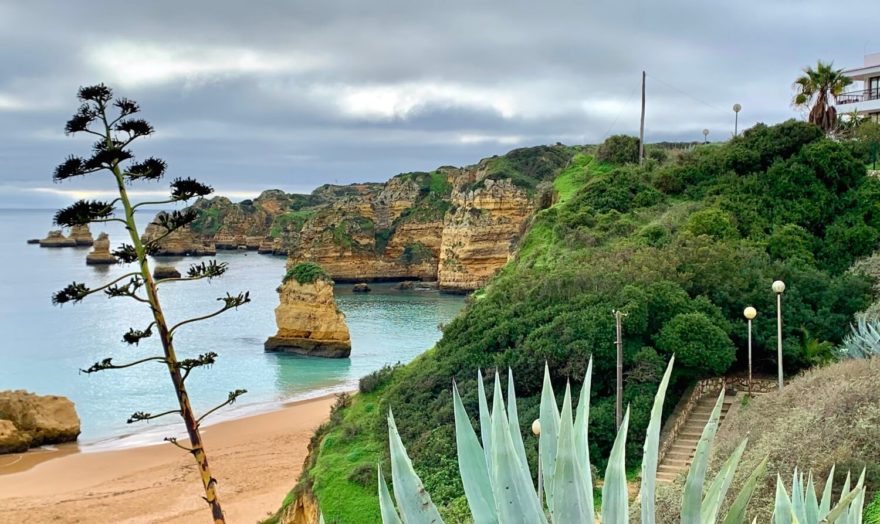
(816, 87)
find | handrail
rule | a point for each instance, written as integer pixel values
(862, 95)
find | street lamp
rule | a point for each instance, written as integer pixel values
(736, 109)
(750, 313)
(778, 288)
(705, 136)
(536, 430)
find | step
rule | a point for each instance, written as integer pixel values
(681, 454)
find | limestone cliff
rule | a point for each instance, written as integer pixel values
(100, 254)
(309, 323)
(455, 225)
(28, 420)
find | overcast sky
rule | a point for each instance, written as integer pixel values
(289, 94)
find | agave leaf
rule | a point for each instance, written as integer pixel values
(798, 503)
(825, 505)
(386, 506)
(737, 512)
(549, 416)
(513, 420)
(812, 503)
(693, 489)
(782, 512)
(858, 504)
(581, 434)
(652, 446)
(615, 499)
(843, 505)
(485, 420)
(320, 518)
(413, 501)
(569, 498)
(844, 513)
(711, 504)
(515, 497)
(472, 466)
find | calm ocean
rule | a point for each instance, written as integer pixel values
(42, 346)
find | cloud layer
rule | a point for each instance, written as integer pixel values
(249, 96)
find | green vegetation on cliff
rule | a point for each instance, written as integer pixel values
(680, 247)
(306, 273)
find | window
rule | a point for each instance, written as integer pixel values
(874, 87)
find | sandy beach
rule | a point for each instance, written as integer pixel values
(256, 459)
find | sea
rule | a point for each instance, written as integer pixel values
(43, 347)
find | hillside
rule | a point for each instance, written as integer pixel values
(457, 226)
(680, 246)
(827, 417)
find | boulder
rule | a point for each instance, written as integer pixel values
(57, 239)
(36, 420)
(33, 241)
(309, 323)
(82, 235)
(361, 287)
(165, 272)
(405, 285)
(100, 254)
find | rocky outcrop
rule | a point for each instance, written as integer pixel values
(56, 238)
(309, 323)
(182, 242)
(28, 420)
(82, 235)
(160, 272)
(100, 254)
(361, 287)
(33, 241)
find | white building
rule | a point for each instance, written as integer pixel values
(864, 94)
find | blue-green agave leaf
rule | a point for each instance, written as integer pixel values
(782, 510)
(717, 491)
(569, 498)
(737, 512)
(472, 466)
(549, 415)
(825, 505)
(413, 501)
(513, 420)
(485, 419)
(812, 502)
(386, 506)
(652, 448)
(615, 499)
(693, 489)
(581, 434)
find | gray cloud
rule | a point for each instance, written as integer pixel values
(286, 94)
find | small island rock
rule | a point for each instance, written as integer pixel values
(361, 287)
(82, 235)
(309, 323)
(165, 272)
(100, 253)
(57, 239)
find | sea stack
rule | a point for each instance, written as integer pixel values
(57, 239)
(82, 235)
(28, 420)
(309, 323)
(100, 254)
(160, 272)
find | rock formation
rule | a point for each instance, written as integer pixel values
(165, 272)
(33, 241)
(100, 253)
(82, 235)
(361, 287)
(57, 239)
(458, 226)
(28, 420)
(309, 323)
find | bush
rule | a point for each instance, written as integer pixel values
(378, 378)
(619, 149)
(307, 273)
(697, 343)
(791, 242)
(712, 222)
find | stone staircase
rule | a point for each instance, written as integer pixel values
(678, 458)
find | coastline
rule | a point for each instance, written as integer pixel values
(256, 458)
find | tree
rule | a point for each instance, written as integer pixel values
(868, 133)
(619, 149)
(815, 89)
(113, 123)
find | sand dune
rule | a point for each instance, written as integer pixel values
(256, 460)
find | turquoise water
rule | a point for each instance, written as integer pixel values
(42, 346)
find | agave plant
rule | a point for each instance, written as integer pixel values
(499, 489)
(863, 340)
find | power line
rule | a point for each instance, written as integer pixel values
(685, 93)
(623, 108)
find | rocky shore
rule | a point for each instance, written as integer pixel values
(28, 420)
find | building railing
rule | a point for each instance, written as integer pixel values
(854, 97)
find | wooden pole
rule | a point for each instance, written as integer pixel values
(642, 125)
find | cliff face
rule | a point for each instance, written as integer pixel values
(457, 226)
(28, 420)
(309, 323)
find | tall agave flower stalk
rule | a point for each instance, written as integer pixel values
(499, 489)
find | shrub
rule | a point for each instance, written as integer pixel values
(697, 342)
(619, 149)
(712, 222)
(378, 378)
(307, 273)
(791, 242)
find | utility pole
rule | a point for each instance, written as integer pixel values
(641, 134)
(618, 320)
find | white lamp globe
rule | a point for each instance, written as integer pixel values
(778, 286)
(750, 313)
(536, 427)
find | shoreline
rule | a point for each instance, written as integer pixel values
(256, 458)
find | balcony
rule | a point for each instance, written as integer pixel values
(854, 97)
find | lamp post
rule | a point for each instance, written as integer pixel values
(778, 288)
(536, 430)
(705, 136)
(750, 313)
(736, 109)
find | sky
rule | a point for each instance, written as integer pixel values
(290, 94)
